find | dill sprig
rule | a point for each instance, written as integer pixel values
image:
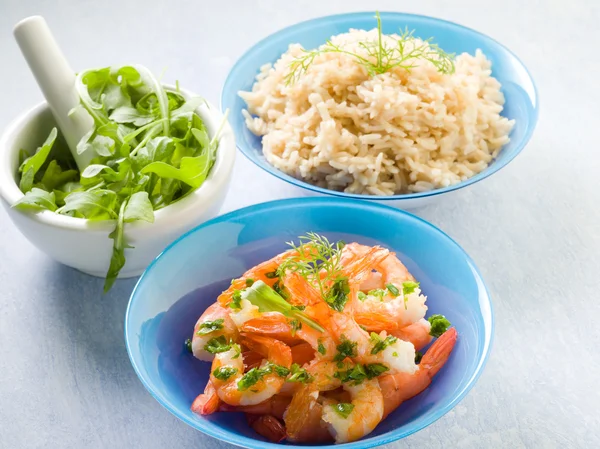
(317, 260)
(381, 57)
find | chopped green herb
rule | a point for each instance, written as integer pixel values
(343, 409)
(337, 297)
(393, 289)
(267, 300)
(295, 325)
(236, 300)
(395, 354)
(238, 350)
(188, 345)
(439, 325)
(345, 349)
(409, 287)
(272, 275)
(251, 378)
(375, 369)
(224, 372)
(281, 371)
(378, 293)
(299, 307)
(280, 289)
(418, 356)
(249, 282)
(362, 296)
(321, 348)
(356, 374)
(217, 344)
(210, 326)
(299, 375)
(379, 344)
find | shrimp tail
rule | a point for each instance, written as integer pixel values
(268, 347)
(207, 402)
(267, 426)
(438, 353)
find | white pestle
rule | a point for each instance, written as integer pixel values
(56, 79)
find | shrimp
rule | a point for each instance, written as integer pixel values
(390, 303)
(396, 355)
(265, 383)
(214, 322)
(365, 413)
(275, 406)
(268, 426)
(261, 272)
(207, 402)
(302, 418)
(400, 387)
(277, 326)
(416, 333)
(302, 353)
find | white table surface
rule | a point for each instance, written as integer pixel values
(533, 229)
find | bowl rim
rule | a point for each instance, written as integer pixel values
(393, 435)
(216, 179)
(488, 171)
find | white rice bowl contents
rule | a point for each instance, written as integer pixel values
(397, 132)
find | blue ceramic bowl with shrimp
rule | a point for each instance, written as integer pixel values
(188, 276)
(517, 86)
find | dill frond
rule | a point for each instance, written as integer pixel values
(381, 57)
(317, 260)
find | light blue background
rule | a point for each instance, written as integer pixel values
(532, 229)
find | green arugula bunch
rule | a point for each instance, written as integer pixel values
(150, 149)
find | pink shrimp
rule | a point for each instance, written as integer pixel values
(207, 402)
(416, 333)
(214, 322)
(400, 387)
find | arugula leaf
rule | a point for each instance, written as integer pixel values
(31, 165)
(93, 170)
(94, 204)
(192, 171)
(128, 114)
(102, 145)
(54, 176)
(37, 200)
(267, 300)
(139, 207)
(117, 260)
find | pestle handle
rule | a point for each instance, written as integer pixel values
(56, 79)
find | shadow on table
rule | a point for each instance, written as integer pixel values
(93, 322)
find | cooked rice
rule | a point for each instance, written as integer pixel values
(398, 132)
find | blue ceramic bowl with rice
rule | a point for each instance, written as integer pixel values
(188, 276)
(517, 86)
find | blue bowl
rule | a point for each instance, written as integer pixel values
(187, 277)
(517, 86)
